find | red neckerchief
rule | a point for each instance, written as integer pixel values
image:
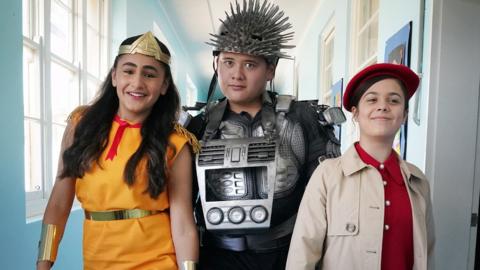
(122, 125)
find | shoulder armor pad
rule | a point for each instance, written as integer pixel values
(283, 103)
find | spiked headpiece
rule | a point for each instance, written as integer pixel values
(146, 45)
(256, 29)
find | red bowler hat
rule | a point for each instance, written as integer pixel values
(401, 72)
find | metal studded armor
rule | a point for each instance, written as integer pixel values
(252, 172)
(245, 164)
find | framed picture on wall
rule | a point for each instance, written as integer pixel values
(397, 51)
(336, 101)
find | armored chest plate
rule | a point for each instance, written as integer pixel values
(225, 168)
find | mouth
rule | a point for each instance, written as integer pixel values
(136, 94)
(236, 87)
(381, 118)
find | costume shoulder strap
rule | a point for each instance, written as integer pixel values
(77, 114)
(213, 118)
(283, 103)
(191, 139)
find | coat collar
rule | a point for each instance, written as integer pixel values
(351, 164)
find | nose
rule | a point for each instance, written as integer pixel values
(137, 81)
(237, 72)
(382, 106)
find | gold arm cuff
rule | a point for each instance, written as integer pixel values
(188, 265)
(49, 242)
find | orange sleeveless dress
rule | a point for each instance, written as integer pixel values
(137, 243)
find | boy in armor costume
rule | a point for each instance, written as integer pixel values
(258, 148)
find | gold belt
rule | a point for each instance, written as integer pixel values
(119, 214)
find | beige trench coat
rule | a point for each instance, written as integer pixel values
(340, 220)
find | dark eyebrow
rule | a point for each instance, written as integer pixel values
(148, 67)
(251, 61)
(129, 64)
(152, 68)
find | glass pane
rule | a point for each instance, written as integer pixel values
(329, 52)
(93, 52)
(104, 65)
(367, 42)
(93, 87)
(67, 3)
(61, 30)
(33, 156)
(65, 92)
(362, 46)
(374, 5)
(57, 135)
(191, 98)
(93, 15)
(366, 9)
(373, 37)
(31, 82)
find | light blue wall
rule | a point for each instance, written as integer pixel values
(12, 195)
(393, 15)
(140, 17)
(18, 240)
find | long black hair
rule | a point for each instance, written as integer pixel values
(92, 132)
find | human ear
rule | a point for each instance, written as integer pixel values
(114, 81)
(354, 113)
(164, 87)
(405, 115)
(270, 72)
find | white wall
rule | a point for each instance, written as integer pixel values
(453, 126)
(447, 53)
(393, 15)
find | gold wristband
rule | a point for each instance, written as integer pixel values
(188, 265)
(49, 241)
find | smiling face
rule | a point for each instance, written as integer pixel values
(140, 81)
(380, 111)
(242, 79)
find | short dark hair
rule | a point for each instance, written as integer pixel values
(365, 85)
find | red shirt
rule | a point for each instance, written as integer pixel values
(397, 245)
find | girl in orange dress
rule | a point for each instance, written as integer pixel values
(129, 164)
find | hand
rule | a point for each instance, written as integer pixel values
(44, 265)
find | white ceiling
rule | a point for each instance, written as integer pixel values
(195, 19)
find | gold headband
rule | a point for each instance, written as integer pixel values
(146, 45)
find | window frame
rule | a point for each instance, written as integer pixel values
(326, 38)
(356, 33)
(38, 38)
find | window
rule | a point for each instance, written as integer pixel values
(191, 98)
(365, 33)
(58, 75)
(326, 63)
